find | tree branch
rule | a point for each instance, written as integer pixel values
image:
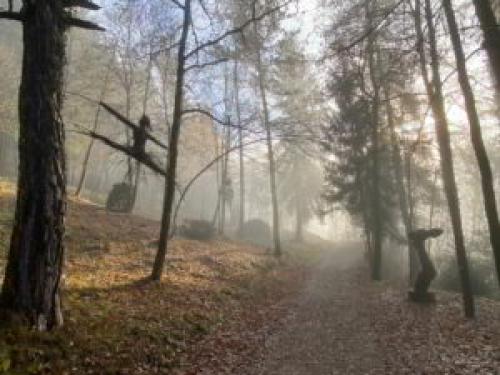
(130, 124)
(236, 30)
(83, 24)
(178, 4)
(204, 65)
(211, 116)
(13, 16)
(86, 4)
(143, 159)
(368, 32)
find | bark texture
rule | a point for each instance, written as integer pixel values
(31, 285)
(491, 32)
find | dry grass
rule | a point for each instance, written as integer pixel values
(116, 324)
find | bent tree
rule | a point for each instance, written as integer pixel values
(31, 285)
(184, 66)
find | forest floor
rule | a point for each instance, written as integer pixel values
(226, 308)
(117, 324)
(342, 323)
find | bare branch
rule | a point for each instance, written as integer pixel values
(368, 32)
(236, 30)
(130, 124)
(86, 4)
(143, 158)
(118, 115)
(178, 4)
(13, 16)
(210, 63)
(83, 24)
(207, 114)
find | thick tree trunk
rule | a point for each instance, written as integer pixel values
(491, 33)
(31, 285)
(436, 100)
(487, 183)
(166, 219)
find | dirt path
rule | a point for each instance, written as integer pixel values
(340, 322)
(318, 337)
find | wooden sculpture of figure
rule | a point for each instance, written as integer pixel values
(427, 272)
(141, 134)
(120, 198)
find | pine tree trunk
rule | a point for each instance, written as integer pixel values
(35, 261)
(436, 100)
(166, 219)
(491, 32)
(483, 161)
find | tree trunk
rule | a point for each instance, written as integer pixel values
(491, 34)
(225, 174)
(168, 202)
(241, 220)
(138, 165)
(137, 182)
(270, 156)
(88, 152)
(376, 196)
(436, 100)
(272, 166)
(399, 175)
(35, 261)
(299, 223)
(483, 161)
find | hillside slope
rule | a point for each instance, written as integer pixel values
(115, 323)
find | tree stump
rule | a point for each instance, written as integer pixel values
(427, 273)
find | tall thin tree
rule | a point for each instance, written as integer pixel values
(483, 161)
(436, 99)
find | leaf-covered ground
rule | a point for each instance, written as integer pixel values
(116, 324)
(226, 308)
(342, 323)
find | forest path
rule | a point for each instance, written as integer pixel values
(329, 330)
